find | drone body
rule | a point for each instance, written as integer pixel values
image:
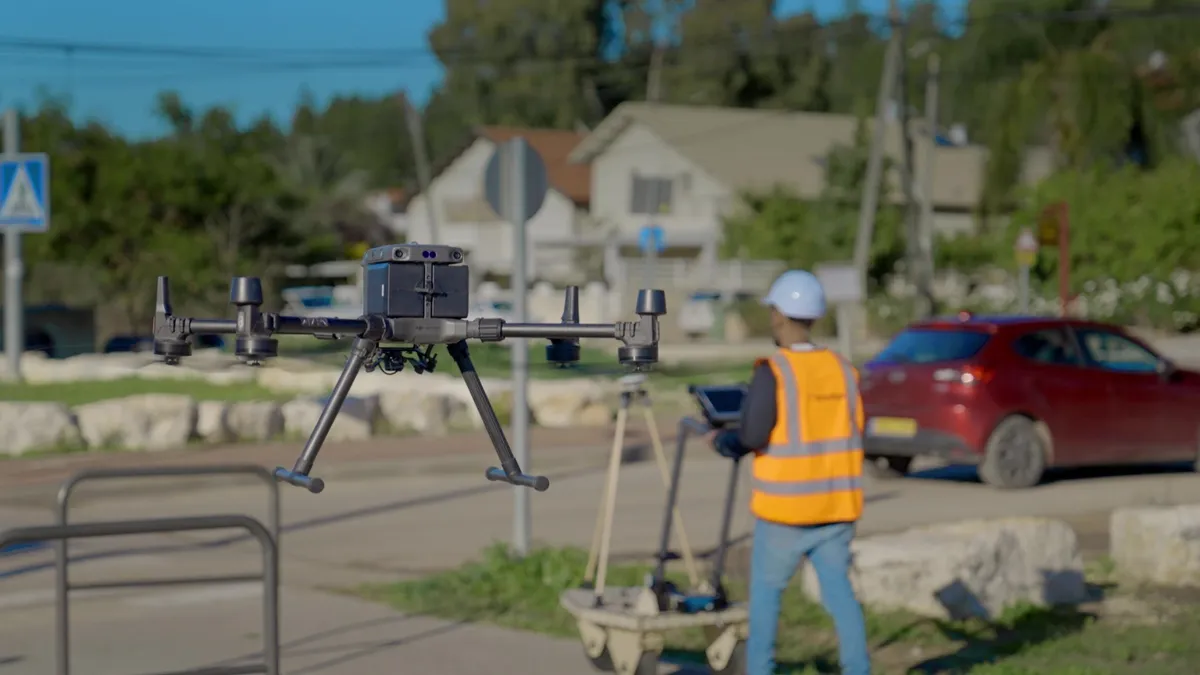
(414, 297)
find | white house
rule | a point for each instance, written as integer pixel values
(388, 207)
(683, 168)
(466, 220)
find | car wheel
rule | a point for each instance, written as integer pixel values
(1015, 455)
(1196, 460)
(885, 468)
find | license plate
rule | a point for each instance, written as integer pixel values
(895, 427)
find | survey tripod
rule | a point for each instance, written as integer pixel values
(622, 628)
(633, 391)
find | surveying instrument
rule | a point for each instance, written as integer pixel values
(622, 628)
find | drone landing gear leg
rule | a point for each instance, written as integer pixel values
(359, 353)
(510, 470)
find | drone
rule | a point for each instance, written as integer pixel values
(414, 298)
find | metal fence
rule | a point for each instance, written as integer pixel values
(267, 537)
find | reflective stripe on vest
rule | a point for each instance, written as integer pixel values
(800, 479)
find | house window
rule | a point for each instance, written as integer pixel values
(650, 196)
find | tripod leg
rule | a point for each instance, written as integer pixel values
(660, 458)
(718, 569)
(359, 352)
(610, 500)
(618, 445)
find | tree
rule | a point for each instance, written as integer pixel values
(201, 204)
(518, 63)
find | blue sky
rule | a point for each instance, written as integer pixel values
(120, 90)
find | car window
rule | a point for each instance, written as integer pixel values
(1112, 351)
(927, 345)
(1051, 346)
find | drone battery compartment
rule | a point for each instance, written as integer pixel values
(398, 291)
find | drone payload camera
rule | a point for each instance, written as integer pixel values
(414, 297)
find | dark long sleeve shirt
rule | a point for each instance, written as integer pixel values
(757, 419)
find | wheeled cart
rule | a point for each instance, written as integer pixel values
(622, 628)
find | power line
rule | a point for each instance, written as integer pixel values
(225, 53)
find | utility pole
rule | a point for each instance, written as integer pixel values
(653, 93)
(928, 167)
(654, 75)
(908, 180)
(871, 187)
(14, 268)
(416, 137)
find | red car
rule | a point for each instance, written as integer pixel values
(1018, 395)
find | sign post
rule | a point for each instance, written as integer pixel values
(1026, 250)
(843, 289)
(650, 240)
(24, 207)
(515, 185)
(1054, 229)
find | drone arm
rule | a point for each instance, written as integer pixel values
(510, 470)
(559, 331)
(320, 325)
(298, 476)
(211, 326)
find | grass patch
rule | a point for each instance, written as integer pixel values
(523, 594)
(78, 393)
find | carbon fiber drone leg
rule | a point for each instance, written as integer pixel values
(298, 476)
(510, 470)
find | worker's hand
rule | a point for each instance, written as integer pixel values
(725, 443)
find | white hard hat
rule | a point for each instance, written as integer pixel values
(797, 295)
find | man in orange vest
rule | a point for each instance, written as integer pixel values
(802, 419)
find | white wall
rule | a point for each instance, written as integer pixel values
(487, 240)
(380, 204)
(696, 196)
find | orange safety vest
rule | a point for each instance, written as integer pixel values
(810, 473)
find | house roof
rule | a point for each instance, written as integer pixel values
(574, 181)
(748, 149)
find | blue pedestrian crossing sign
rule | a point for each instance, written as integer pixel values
(25, 192)
(650, 238)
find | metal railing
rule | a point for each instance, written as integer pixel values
(269, 576)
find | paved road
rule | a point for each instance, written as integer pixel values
(392, 512)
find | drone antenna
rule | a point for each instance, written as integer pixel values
(571, 305)
(162, 302)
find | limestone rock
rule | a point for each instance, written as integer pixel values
(289, 377)
(427, 414)
(356, 421)
(976, 568)
(212, 422)
(36, 426)
(142, 422)
(595, 415)
(559, 404)
(1157, 544)
(255, 420)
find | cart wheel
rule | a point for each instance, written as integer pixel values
(602, 663)
(736, 664)
(647, 664)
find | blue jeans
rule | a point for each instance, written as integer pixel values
(775, 556)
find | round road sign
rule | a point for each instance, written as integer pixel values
(515, 169)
